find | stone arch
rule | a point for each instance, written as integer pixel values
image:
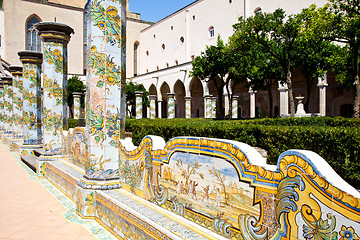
(179, 90)
(32, 38)
(339, 103)
(197, 98)
(164, 90)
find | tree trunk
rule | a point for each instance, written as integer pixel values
(291, 95)
(270, 95)
(219, 104)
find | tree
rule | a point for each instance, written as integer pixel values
(221, 179)
(75, 85)
(344, 28)
(314, 53)
(277, 34)
(219, 65)
(131, 88)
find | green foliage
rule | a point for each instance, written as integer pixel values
(75, 85)
(337, 140)
(72, 123)
(131, 88)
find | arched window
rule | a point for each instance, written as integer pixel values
(136, 46)
(32, 37)
(211, 31)
(258, 10)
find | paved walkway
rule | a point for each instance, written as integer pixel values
(32, 208)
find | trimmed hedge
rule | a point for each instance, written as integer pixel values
(72, 123)
(337, 140)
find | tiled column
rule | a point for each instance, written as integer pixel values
(1, 107)
(187, 107)
(8, 102)
(138, 103)
(234, 110)
(77, 98)
(208, 106)
(213, 107)
(252, 102)
(105, 94)
(152, 99)
(31, 100)
(171, 105)
(17, 71)
(55, 37)
(284, 99)
(322, 84)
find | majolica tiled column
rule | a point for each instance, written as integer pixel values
(152, 99)
(213, 113)
(171, 105)
(187, 107)
(138, 103)
(77, 98)
(1, 107)
(234, 110)
(208, 106)
(8, 102)
(55, 37)
(105, 94)
(31, 100)
(17, 72)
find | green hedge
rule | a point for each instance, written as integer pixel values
(339, 145)
(72, 123)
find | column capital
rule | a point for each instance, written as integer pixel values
(30, 57)
(54, 32)
(282, 86)
(16, 70)
(76, 94)
(139, 94)
(152, 97)
(235, 97)
(6, 80)
(187, 98)
(171, 95)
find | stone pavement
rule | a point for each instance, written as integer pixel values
(32, 208)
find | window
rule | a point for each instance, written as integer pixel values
(211, 31)
(193, 17)
(172, 28)
(182, 39)
(257, 10)
(154, 35)
(230, 1)
(33, 41)
(163, 46)
(136, 46)
(147, 53)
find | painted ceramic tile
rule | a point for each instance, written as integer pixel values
(171, 107)
(17, 106)
(188, 108)
(31, 104)
(77, 107)
(8, 102)
(2, 113)
(106, 70)
(152, 108)
(54, 107)
(208, 110)
(138, 106)
(234, 108)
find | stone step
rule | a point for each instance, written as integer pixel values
(29, 160)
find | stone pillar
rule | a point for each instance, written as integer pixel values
(252, 102)
(284, 99)
(234, 110)
(213, 107)
(8, 104)
(105, 96)
(152, 111)
(322, 84)
(187, 107)
(2, 107)
(17, 110)
(31, 100)
(77, 103)
(208, 106)
(171, 105)
(55, 37)
(139, 107)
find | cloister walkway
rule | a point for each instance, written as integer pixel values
(32, 208)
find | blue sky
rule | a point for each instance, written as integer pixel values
(155, 10)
